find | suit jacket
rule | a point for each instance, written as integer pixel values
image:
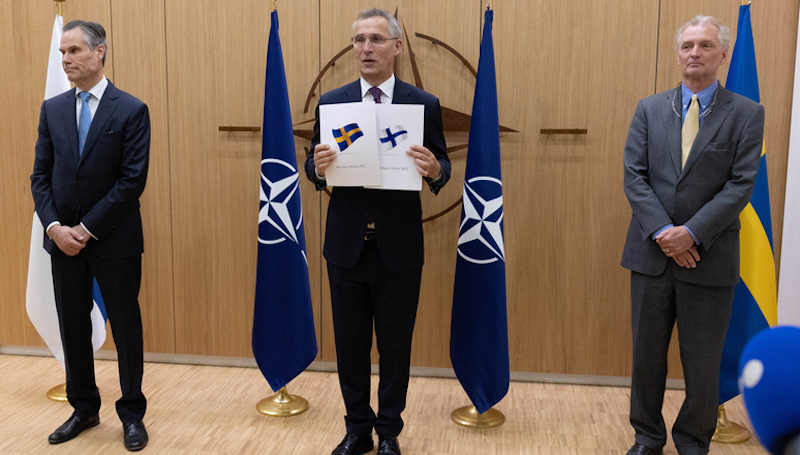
(397, 214)
(101, 187)
(707, 195)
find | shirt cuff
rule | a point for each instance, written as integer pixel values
(87, 230)
(317, 174)
(54, 223)
(664, 228)
(694, 237)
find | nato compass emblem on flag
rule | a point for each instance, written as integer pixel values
(480, 237)
(393, 136)
(280, 217)
(346, 135)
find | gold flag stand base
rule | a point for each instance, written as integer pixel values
(58, 393)
(729, 432)
(282, 404)
(468, 416)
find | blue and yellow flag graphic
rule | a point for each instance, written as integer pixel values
(755, 301)
(346, 135)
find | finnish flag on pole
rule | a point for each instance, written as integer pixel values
(284, 338)
(479, 327)
(40, 300)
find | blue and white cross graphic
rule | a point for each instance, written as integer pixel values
(394, 136)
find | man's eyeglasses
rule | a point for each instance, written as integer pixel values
(376, 40)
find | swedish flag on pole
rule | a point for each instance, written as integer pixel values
(755, 304)
(479, 327)
(284, 339)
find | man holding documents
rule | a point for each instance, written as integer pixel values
(374, 243)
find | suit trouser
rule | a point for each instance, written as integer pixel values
(369, 292)
(702, 314)
(119, 280)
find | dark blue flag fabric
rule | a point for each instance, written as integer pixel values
(284, 340)
(479, 327)
(755, 300)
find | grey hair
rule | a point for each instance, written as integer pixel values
(724, 32)
(95, 34)
(394, 26)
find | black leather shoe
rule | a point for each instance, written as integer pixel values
(354, 444)
(135, 436)
(641, 449)
(73, 427)
(388, 447)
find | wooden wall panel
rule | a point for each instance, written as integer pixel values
(27, 27)
(217, 54)
(141, 67)
(569, 65)
(774, 34)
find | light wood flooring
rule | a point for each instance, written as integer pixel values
(211, 410)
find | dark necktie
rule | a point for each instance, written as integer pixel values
(376, 94)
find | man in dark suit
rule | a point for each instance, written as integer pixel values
(90, 169)
(374, 246)
(691, 160)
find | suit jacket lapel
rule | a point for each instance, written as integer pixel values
(353, 92)
(717, 111)
(674, 128)
(400, 95)
(106, 108)
(70, 122)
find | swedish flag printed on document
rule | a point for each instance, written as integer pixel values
(346, 135)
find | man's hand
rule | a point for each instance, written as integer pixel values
(427, 164)
(675, 240)
(69, 240)
(324, 156)
(688, 259)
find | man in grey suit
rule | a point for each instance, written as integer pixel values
(691, 159)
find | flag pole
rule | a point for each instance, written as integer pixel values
(469, 417)
(282, 404)
(729, 432)
(59, 392)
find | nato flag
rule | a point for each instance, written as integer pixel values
(479, 328)
(284, 340)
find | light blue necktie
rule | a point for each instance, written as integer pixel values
(85, 120)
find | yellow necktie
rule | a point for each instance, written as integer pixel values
(690, 126)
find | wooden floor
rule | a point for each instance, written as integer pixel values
(211, 410)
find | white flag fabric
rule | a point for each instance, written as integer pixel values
(40, 296)
(789, 282)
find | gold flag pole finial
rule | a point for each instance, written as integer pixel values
(468, 416)
(729, 432)
(58, 393)
(745, 2)
(282, 404)
(60, 4)
(274, 4)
